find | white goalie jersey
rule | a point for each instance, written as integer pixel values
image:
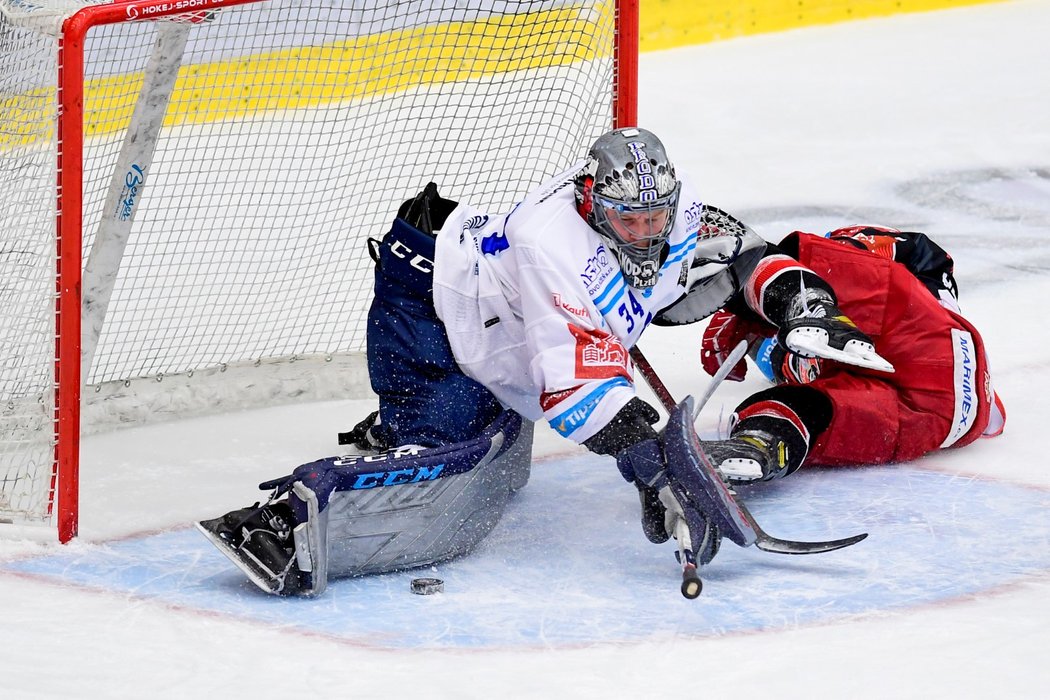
(537, 310)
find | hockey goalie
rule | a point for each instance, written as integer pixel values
(481, 324)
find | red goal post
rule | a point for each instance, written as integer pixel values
(219, 164)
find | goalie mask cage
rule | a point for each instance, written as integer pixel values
(186, 188)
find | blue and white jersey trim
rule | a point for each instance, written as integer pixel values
(570, 420)
(678, 252)
(616, 287)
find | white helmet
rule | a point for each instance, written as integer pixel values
(629, 194)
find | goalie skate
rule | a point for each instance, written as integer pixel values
(365, 514)
(254, 548)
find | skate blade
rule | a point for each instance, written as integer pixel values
(250, 569)
(857, 354)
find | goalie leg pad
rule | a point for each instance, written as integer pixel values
(310, 538)
(408, 507)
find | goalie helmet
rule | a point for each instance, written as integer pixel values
(628, 193)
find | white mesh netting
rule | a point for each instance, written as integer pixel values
(293, 131)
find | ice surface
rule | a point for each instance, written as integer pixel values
(534, 584)
(935, 121)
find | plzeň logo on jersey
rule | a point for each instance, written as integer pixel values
(599, 355)
(597, 269)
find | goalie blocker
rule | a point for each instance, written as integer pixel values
(369, 514)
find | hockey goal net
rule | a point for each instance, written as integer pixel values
(186, 188)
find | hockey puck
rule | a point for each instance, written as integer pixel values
(427, 586)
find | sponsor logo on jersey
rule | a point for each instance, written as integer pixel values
(645, 270)
(599, 355)
(683, 276)
(560, 303)
(597, 270)
(568, 422)
(694, 216)
(966, 386)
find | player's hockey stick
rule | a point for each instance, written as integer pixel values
(652, 378)
(691, 583)
(727, 366)
(664, 395)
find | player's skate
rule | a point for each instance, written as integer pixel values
(259, 541)
(820, 329)
(695, 480)
(750, 455)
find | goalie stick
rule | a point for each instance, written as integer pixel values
(703, 484)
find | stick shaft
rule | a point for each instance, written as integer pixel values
(730, 362)
(652, 379)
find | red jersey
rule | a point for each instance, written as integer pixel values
(941, 393)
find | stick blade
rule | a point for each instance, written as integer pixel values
(778, 546)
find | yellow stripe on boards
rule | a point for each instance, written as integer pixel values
(379, 64)
(666, 24)
(359, 67)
